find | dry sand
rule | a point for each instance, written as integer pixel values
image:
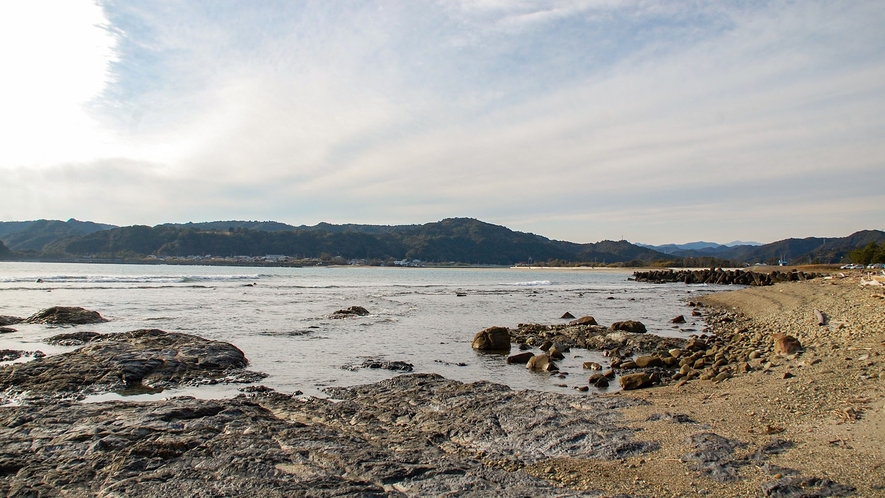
(825, 420)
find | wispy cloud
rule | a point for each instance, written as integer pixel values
(576, 120)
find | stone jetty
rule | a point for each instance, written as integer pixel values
(723, 277)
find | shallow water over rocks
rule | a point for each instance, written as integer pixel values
(284, 319)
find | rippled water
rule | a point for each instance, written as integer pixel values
(283, 323)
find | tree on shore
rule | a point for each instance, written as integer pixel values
(871, 253)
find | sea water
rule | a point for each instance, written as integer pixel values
(281, 318)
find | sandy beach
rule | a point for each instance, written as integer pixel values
(826, 418)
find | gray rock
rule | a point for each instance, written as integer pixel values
(351, 311)
(114, 362)
(374, 363)
(9, 320)
(66, 315)
(413, 435)
(72, 339)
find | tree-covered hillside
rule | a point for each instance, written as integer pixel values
(34, 235)
(461, 240)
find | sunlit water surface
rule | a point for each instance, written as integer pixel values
(283, 322)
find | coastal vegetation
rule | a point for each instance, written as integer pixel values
(869, 254)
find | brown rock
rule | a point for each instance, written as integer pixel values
(542, 363)
(520, 358)
(629, 364)
(567, 316)
(556, 354)
(648, 361)
(634, 381)
(678, 319)
(786, 344)
(584, 320)
(629, 326)
(592, 365)
(492, 339)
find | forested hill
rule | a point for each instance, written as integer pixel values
(461, 240)
(33, 235)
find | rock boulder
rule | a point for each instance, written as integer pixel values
(492, 339)
(66, 315)
(631, 326)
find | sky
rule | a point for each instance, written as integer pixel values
(654, 122)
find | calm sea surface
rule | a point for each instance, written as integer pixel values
(283, 323)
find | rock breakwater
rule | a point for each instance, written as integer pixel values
(723, 277)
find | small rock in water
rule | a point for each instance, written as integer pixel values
(351, 311)
(567, 316)
(9, 320)
(585, 320)
(492, 339)
(542, 363)
(632, 326)
(66, 315)
(521, 358)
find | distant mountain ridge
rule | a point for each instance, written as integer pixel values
(462, 240)
(707, 248)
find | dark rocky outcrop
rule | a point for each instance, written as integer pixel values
(66, 315)
(413, 435)
(374, 363)
(351, 311)
(141, 358)
(9, 320)
(72, 339)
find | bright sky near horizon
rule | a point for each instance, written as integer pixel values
(656, 122)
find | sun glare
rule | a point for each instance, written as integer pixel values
(55, 57)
